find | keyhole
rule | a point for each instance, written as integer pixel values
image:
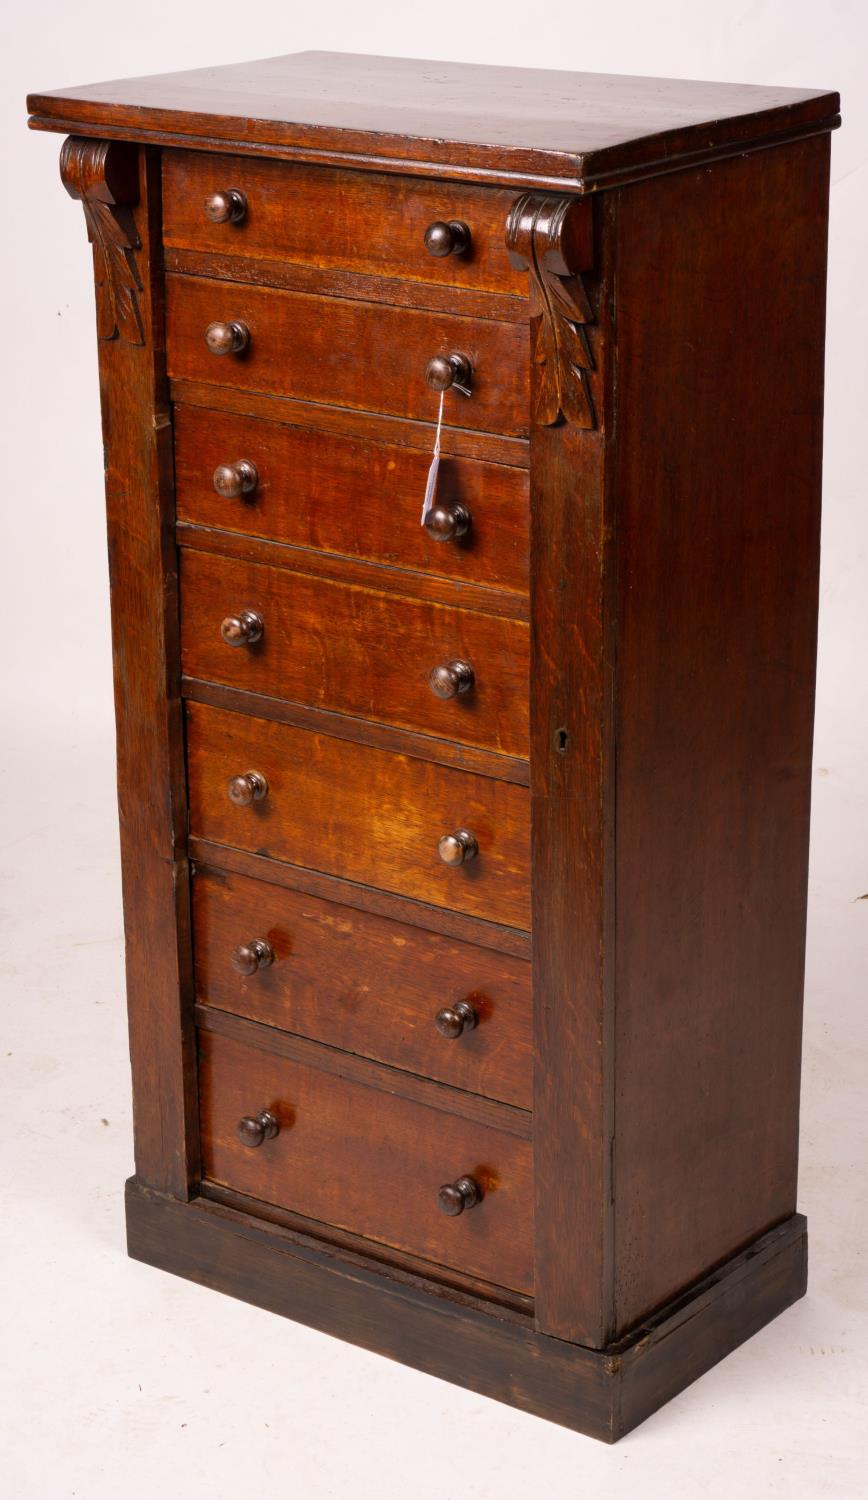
(561, 741)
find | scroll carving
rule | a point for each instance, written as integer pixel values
(551, 239)
(104, 176)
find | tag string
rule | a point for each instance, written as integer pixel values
(431, 486)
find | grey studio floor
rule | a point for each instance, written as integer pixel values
(118, 1380)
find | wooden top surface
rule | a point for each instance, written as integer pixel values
(522, 125)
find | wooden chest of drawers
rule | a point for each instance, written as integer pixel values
(465, 850)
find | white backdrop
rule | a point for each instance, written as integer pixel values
(134, 1374)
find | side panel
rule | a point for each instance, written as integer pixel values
(720, 294)
(569, 764)
(119, 187)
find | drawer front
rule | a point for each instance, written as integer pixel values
(353, 496)
(362, 814)
(366, 1161)
(343, 353)
(364, 222)
(335, 646)
(365, 984)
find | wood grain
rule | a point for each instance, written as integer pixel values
(603, 1394)
(362, 222)
(356, 651)
(353, 496)
(366, 1161)
(144, 607)
(346, 353)
(714, 740)
(518, 126)
(366, 984)
(361, 814)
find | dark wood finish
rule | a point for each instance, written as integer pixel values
(342, 422)
(451, 924)
(367, 1161)
(355, 651)
(365, 983)
(362, 731)
(359, 813)
(356, 570)
(714, 740)
(298, 346)
(604, 1394)
(570, 696)
(586, 130)
(617, 579)
(120, 186)
(364, 222)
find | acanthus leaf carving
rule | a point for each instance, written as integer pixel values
(549, 238)
(103, 176)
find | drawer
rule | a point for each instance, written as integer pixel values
(365, 222)
(358, 651)
(360, 813)
(353, 496)
(364, 983)
(346, 353)
(367, 1161)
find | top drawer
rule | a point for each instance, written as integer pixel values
(366, 222)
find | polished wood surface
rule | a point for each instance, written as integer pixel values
(497, 824)
(365, 983)
(120, 190)
(366, 222)
(357, 496)
(537, 127)
(348, 353)
(372, 1163)
(714, 758)
(354, 650)
(360, 813)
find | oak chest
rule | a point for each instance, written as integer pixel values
(463, 438)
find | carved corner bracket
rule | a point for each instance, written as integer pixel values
(104, 176)
(551, 239)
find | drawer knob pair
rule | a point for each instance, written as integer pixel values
(226, 207)
(454, 1197)
(233, 480)
(227, 338)
(243, 629)
(453, 1020)
(248, 958)
(450, 679)
(253, 1130)
(447, 237)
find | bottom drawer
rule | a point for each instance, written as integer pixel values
(367, 1161)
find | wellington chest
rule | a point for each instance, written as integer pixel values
(463, 442)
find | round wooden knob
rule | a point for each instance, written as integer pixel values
(247, 958)
(244, 629)
(445, 523)
(226, 207)
(446, 370)
(251, 787)
(449, 237)
(458, 848)
(232, 480)
(450, 679)
(453, 1020)
(455, 1196)
(252, 1130)
(227, 338)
